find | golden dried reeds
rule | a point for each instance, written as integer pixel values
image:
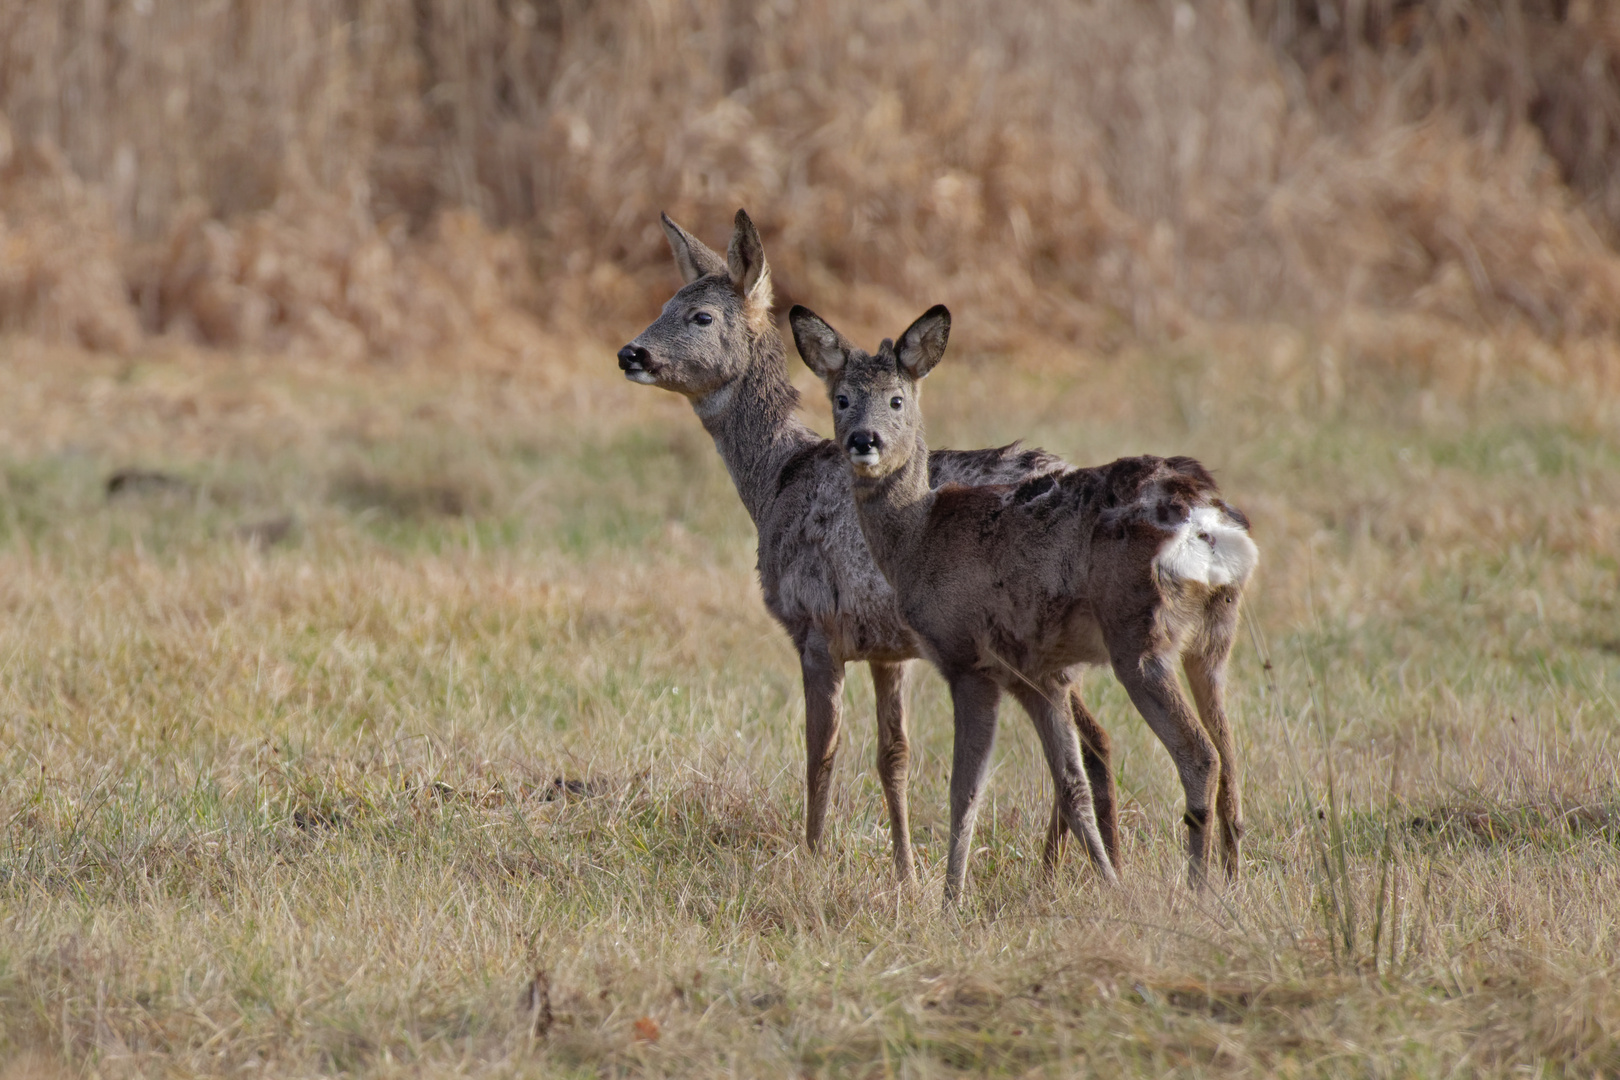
(269, 174)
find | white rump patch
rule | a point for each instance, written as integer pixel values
(1210, 549)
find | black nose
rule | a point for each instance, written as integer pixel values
(633, 358)
(864, 442)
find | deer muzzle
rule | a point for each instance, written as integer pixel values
(636, 363)
(865, 448)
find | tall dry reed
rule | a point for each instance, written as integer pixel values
(262, 174)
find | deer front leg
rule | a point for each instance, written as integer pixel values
(894, 759)
(974, 699)
(1051, 711)
(823, 693)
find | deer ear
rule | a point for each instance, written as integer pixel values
(923, 343)
(820, 346)
(745, 259)
(693, 258)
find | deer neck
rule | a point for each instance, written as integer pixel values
(893, 510)
(751, 420)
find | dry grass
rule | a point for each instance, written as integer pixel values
(422, 716)
(295, 806)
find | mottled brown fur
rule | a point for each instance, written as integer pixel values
(1013, 587)
(816, 573)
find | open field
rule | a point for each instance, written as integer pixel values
(281, 725)
(384, 686)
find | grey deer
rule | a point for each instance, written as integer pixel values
(1013, 587)
(717, 344)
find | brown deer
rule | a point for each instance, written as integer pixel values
(1015, 586)
(716, 344)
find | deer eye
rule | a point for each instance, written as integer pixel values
(843, 402)
(896, 401)
(703, 318)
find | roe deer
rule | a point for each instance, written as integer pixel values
(716, 343)
(1014, 586)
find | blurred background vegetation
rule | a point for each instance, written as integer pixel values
(380, 178)
(379, 669)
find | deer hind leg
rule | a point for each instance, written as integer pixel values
(894, 759)
(1151, 684)
(974, 699)
(1051, 711)
(1096, 750)
(1205, 665)
(823, 693)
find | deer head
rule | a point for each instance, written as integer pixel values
(701, 340)
(876, 413)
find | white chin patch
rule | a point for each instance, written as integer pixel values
(645, 378)
(866, 460)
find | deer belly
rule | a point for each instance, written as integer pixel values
(1083, 640)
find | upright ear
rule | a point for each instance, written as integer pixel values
(822, 348)
(745, 259)
(923, 343)
(693, 258)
